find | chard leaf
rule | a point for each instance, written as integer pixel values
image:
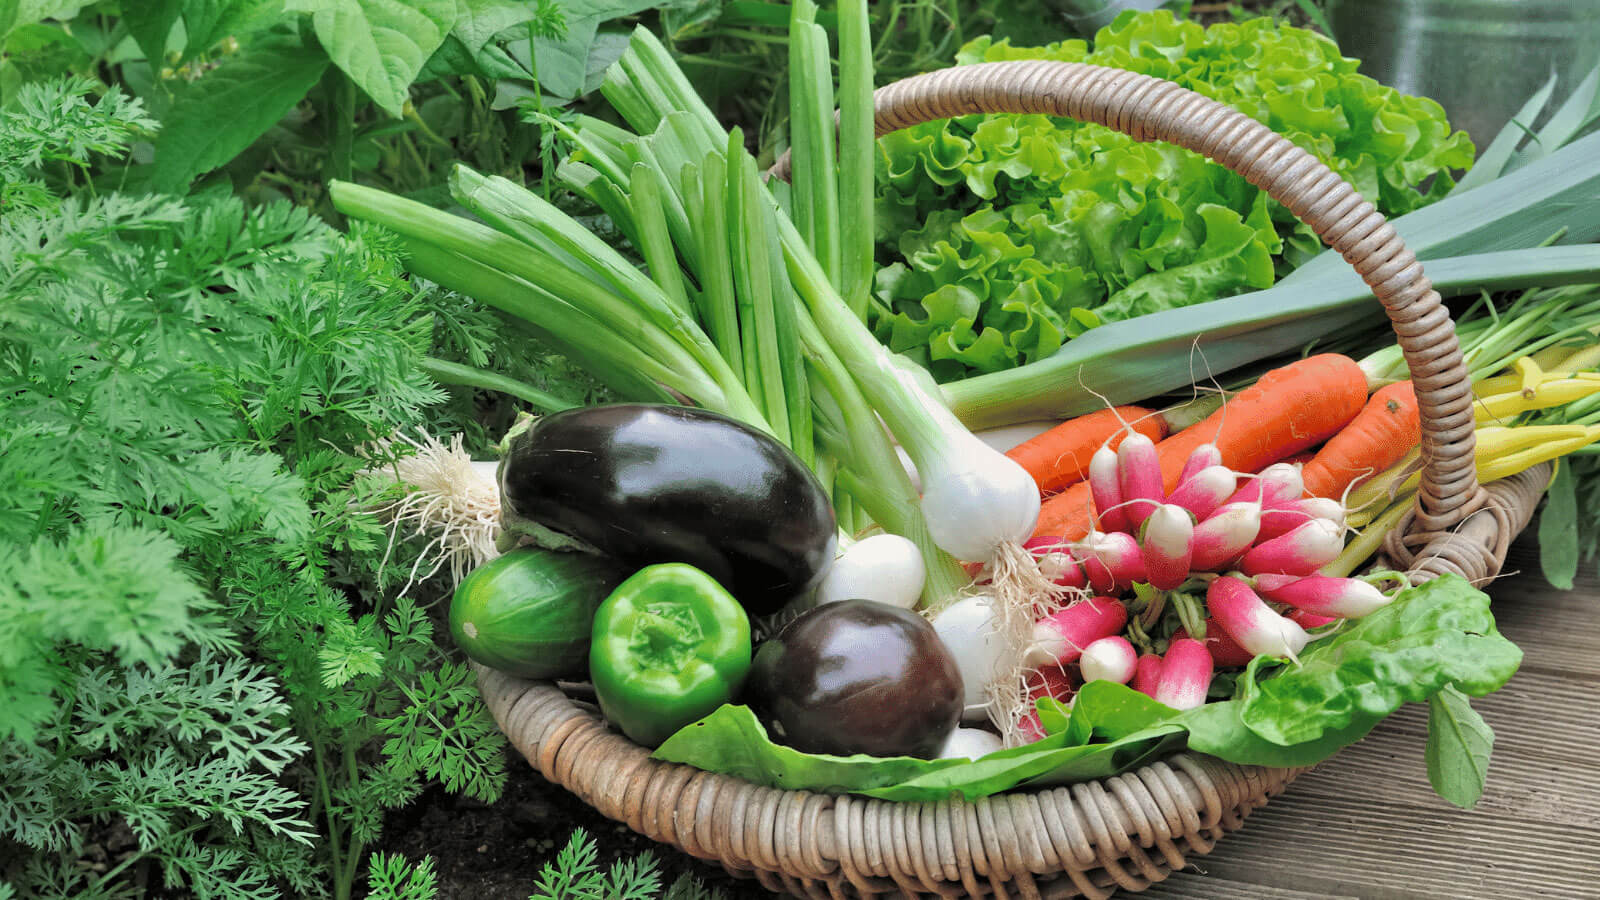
(1558, 530)
(1459, 743)
(1432, 635)
(381, 44)
(218, 116)
(1299, 716)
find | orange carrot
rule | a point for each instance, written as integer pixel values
(1290, 409)
(1385, 431)
(1060, 457)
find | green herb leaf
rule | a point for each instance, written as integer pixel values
(221, 114)
(381, 44)
(1558, 530)
(1459, 743)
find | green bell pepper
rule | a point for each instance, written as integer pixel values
(670, 645)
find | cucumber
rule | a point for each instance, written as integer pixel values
(529, 613)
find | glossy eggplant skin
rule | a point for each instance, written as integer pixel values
(646, 484)
(857, 676)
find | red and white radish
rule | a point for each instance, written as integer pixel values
(1343, 598)
(1147, 675)
(1250, 622)
(1201, 458)
(1277, 484)
(1105, 490)
(1056, 561)
(1112, 561)
(1046, 681)
(1109, 659)
(1060, 637)
(1139, 478)
(1309, 619)
(1185, 675)
(1203, 492)
(1283, 519)
(1168, 547)
(1225, 651)
(1302, 551)
(1224, 536)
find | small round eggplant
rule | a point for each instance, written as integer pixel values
(857, 676)
(649, 484)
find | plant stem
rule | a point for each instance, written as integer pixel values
(470, 376)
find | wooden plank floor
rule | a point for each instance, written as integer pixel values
(1367, 825)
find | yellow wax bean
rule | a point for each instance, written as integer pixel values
(1554, 390)
(1512, 463)
(1584, 358)
(1501, 452)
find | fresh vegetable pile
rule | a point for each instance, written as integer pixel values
(1125, 584)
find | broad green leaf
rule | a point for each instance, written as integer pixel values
(1558, 530)
(151, 23)
(381, 44)
(218, 116)
(563, 63)
(1459, 743)
(1491, 163)
(478, 21)
(1431, 635)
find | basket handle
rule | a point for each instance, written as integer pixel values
(1153, 109)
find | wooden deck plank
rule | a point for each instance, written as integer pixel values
(1367, 825)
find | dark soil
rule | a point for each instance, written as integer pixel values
(494, 851)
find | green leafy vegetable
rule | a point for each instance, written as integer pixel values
(1007, 235)
(1558, 530)
(1430, 637)
(218, 116)
(1436, 634)
(1459, 742)
(381, 44)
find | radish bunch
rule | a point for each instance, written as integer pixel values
(1251, 544)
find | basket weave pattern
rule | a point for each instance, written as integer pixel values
(1122, 832)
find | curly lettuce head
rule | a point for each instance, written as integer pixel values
(1006, 235)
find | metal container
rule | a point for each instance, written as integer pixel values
(1088, 16)
(1481, 59)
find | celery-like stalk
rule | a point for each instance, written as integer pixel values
(654, 241)
(815, 180)
(446, 372)
(856, 148)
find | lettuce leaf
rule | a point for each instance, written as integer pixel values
(1431, 637)
(1002, 237)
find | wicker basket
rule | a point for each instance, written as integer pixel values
(1123, 832)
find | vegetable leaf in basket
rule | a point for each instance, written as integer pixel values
(1430, 637)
